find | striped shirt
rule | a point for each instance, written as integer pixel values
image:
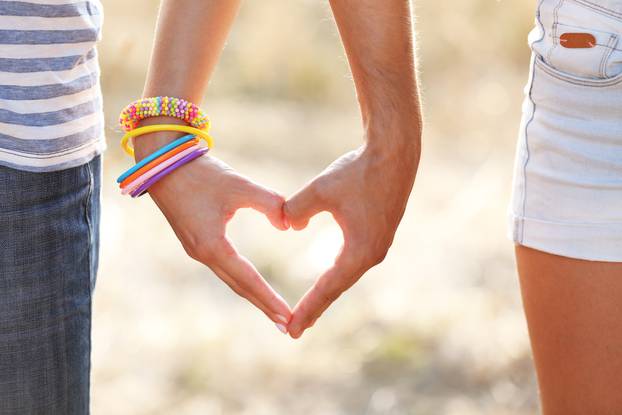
(50, 97)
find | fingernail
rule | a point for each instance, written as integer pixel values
(281, 328)
(281, 318)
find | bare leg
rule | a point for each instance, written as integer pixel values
(574, 314)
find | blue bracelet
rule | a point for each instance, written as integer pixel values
(155, 155)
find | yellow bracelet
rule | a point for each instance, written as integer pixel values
(125, 141)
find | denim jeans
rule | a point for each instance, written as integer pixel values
(567, 197)
(49, 241)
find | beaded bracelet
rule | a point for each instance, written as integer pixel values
(163, 127)
(163, 106)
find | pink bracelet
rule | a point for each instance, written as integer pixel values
(150, 173)
(144, 188)
(163, 106)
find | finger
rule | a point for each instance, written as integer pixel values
(266, 201)
(302, 206)
(251, 283)
(280, 321)
(328, 287)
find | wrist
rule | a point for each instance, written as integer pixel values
(394, 132)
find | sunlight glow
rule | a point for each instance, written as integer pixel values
(324, 248)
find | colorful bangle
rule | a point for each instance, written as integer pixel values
(147, 175)
(158, 161)
(155, 155)
(163, 106)
(142, 189)
(163, 127)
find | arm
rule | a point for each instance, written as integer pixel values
(366, 190)
(201, 197)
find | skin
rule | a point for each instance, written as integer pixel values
(366, 190)
(574, 315)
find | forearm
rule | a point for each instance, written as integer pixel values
(378, 39)
(190, 36)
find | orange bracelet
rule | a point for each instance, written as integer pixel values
(157, 161)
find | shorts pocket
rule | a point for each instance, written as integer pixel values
(600, 61)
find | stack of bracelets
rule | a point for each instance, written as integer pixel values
(137, 180)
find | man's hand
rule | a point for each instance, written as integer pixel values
(366, 191)
(198, 200)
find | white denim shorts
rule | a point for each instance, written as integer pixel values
(567, 188)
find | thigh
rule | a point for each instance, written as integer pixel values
(48, 258)
(574, 314)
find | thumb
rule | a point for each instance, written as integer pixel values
(302, 206)
(268, 202)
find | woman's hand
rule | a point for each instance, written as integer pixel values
(198, 200)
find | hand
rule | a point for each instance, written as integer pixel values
(198, 200)
(366, 191)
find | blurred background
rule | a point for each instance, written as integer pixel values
(436, 329)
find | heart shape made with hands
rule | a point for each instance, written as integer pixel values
(199, 201)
